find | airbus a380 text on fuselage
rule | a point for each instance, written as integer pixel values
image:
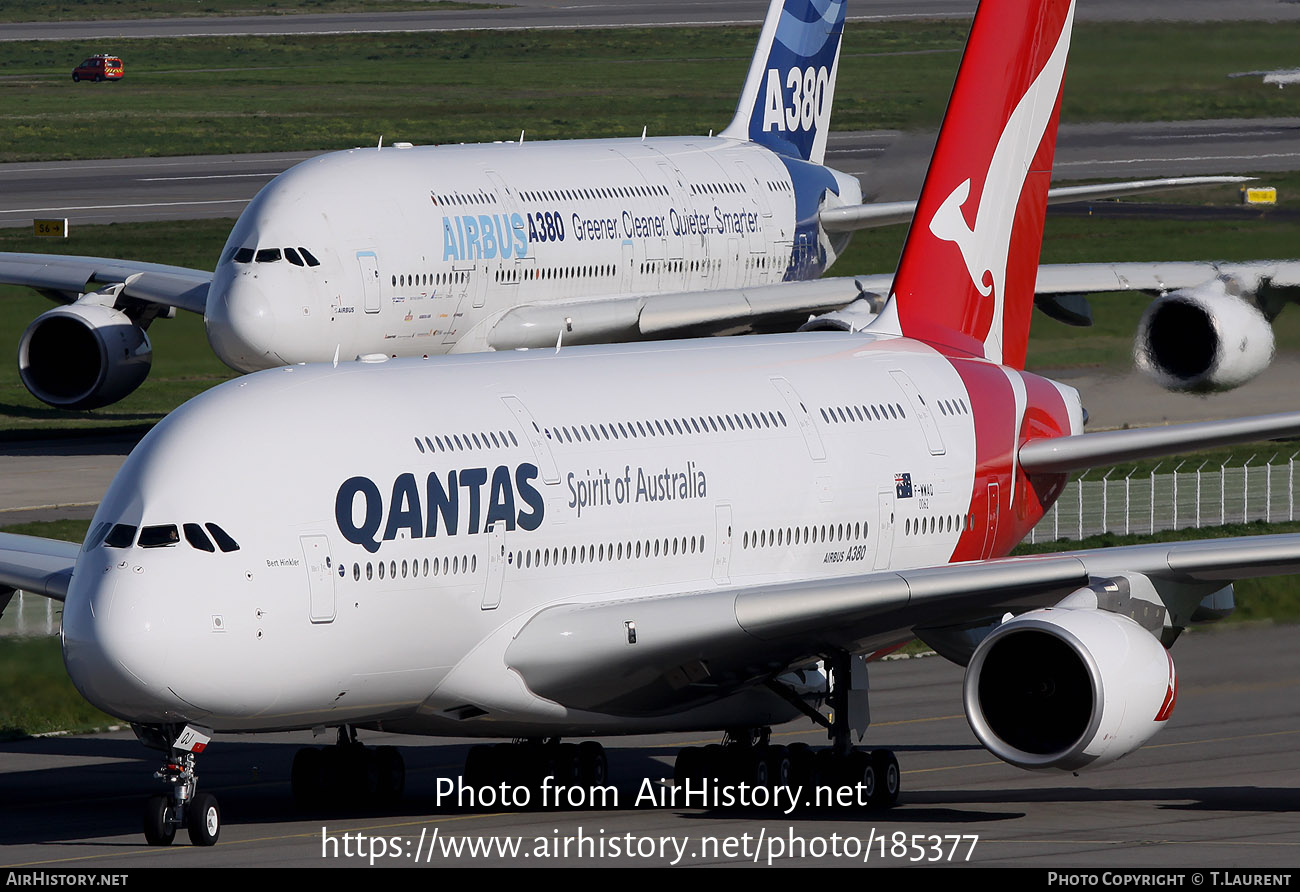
(444, 238)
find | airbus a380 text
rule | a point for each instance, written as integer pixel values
(659, 537)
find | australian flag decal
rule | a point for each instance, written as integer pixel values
(903, 484)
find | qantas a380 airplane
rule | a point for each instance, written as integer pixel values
(658, 537)
(416, 251)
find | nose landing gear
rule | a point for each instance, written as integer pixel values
(183, 806)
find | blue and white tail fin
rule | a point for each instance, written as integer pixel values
(786, 103)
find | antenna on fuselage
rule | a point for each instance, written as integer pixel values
(336, 355)
(381, 142)
(521, 137)
(559, 340)
(644, 127)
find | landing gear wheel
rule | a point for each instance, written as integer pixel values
(568, 765)
(593, 767)
(862, 772)
(203, 820)
(778, 765)
(158, 828)
(482, 766)
(306, 777)
(888, 778)
(690, 761)
(392, 774)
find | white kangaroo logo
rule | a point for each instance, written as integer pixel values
(985, 246)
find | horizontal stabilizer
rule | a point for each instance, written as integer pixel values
(887, 213)
(1060, 454)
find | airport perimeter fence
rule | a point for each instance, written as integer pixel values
(1172, 496)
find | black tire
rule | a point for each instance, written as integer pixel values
(481, 766)
(158, 831)
(779, 768)
(358, 781)
(568, 765)
(592, 763)
(752, 766)
(888, 778)
(76, 78)
(203, 820)
(863, 772)
(99, 78)
(305, 778)
(688, 765)
(392, 774)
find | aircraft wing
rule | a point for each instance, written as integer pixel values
(647, 653)
(65, 278)
(869, 216)
(1084, 278)
(649, 316)
(788, 305)
(36, 565)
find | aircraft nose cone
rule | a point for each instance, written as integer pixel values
(240, 323)
(116, 652)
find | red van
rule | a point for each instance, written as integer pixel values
(99, 68)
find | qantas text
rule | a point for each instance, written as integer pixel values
(485, 497)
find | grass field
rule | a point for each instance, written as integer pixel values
(238, 94)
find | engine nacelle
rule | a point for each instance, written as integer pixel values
(83, 356)
(1203, 339)
(1068, 688)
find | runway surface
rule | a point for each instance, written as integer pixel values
(1219, 787)
(891, 165)
(612, 14)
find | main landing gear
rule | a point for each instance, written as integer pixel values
(528, 762)
(348, 774)
(838, 776)
(182, 805)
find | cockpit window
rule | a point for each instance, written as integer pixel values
(307, 256)
(268, 255)
(224, 542)
(195, 536)
(292, 256)
(159, 536)
(120, 536)
(244, 255)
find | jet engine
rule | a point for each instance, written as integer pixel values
(1068, 688)
(1203, 339)
(83, 356)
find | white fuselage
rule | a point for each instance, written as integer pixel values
(414, 251)
(368, 588)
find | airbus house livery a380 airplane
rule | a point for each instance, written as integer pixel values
(414, 251)
(658, 537)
